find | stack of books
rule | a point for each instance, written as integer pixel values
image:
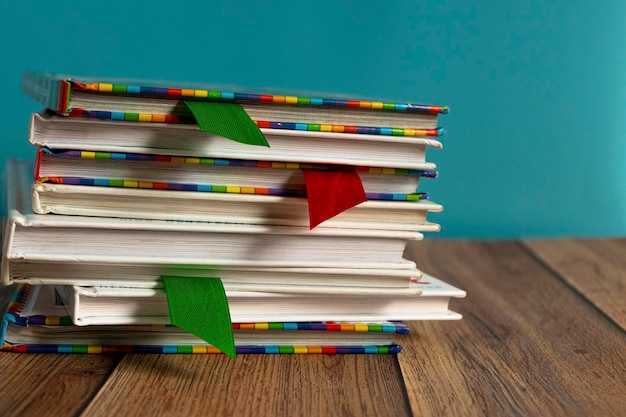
(147, 203)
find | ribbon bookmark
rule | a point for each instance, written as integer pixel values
(228, 120)
(331, 192)
(199, 306)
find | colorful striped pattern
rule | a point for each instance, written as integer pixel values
(395, 327)
(40, 348)
(181, 93)
(239, 163)
(398, 327)
(186, 119)
(234, 189)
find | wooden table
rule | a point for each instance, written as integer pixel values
(542, 335)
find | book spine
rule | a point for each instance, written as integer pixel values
(50, 91)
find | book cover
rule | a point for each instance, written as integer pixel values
(150, 101)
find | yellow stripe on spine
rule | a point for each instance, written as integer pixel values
(94, 349)
(199, 349)
(105, 87)
(261, 326)
(300, 349)
(360, 327)
(143, 117)
(87, 154)
(53, 320)
(131, 184)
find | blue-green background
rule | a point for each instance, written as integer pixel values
(536, 143)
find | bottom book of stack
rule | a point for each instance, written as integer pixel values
(52, 318)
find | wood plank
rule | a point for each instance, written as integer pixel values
(253, 385)
(50, 384)
(595, 267)
(528, 344)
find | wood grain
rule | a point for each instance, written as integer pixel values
(528, 345)
(50, 384)
(595, 267)
(253, 385)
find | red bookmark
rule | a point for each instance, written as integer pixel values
(331, 192)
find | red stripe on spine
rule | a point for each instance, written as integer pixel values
(174, 92)
(171, 119)
(63, 100)
(329, 349)
(354, 103)
(266, 98)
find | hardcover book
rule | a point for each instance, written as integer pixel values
(214, 175)
(424, 299)
(36, 321)
(168, 102)
(52, 131)
(141, 203)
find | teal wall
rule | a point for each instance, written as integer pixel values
(536, 143)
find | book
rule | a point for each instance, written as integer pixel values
(149, 275)
(164, 102)
(213, 175)
(425, 299)
(49, 130)
(36, 321)
(140, 203)
(61, 238)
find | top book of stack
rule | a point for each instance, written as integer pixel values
(165, 103)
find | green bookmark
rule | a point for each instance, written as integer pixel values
(228, 120)
(199, 306)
